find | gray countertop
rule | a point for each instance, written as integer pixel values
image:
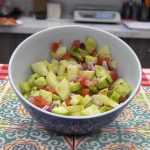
(31, 25)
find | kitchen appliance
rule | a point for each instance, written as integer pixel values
(99, 16)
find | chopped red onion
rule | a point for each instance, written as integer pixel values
(82, 46)
(47, 108)
(30, 98)
(111, 68)
(91, 66)
(81, 66)
(104, 64)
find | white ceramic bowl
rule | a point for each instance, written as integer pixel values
(36, 48)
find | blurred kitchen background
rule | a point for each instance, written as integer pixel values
(129, 9)
(36, 15)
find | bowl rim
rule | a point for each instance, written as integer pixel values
(75, 117)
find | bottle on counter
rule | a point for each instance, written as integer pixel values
(40, 9)
(127, 10)
(147, 4)
(143, 14)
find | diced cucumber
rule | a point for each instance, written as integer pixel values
(105, 108)
(60, 52)
(31, 82)
(63, 89)
(56, 97)
(117, 82)
(53, 67)
(40, 68)
(60, 110)
(85, 100)
(90, 44)
(76, 108)
(122, 89)
(26, 95)
(64, 63)
(72, 72)
(109, 79)
(93, 89)
(35, 93)
(75, 99)
(45, 62)
(113, 64)
(60, 78)
(103, 99)
(115, 96)
(24, 87)
(32, 78)
(103, 91)
(100, 71)
(76, 113)
(61, 70)
(83, 53)
(75, 52)
(72, 62)
(92, 110)
(104, 51)
(103, 83)
(89, 59)
(52, 80)
(88, 74)
(75, 87)
(46, 95)
(41, 81)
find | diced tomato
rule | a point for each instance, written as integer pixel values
(67, 56)
(76, 43)
(54, 46)
(84, 91)
(88, 83)
(67, 101)
(41, 88)
(107, 59)
(51, 90)
(80, 79)
(113, 75)
(47, 89)
(122, 99)
(94, 52)
(39, 101)
(100, 61)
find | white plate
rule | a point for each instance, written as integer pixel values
(18, 22)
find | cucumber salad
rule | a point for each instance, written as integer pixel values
(80, 80)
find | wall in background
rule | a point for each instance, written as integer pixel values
(25, 5)
(68, 5)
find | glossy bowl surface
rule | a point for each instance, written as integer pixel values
(36, 48)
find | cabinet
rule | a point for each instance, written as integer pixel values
(142, 49)
(9, 41)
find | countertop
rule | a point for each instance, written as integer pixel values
(18, 130)
(31, 25)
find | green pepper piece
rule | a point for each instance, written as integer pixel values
(83, 53)
(75, 52)
(93, 89)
